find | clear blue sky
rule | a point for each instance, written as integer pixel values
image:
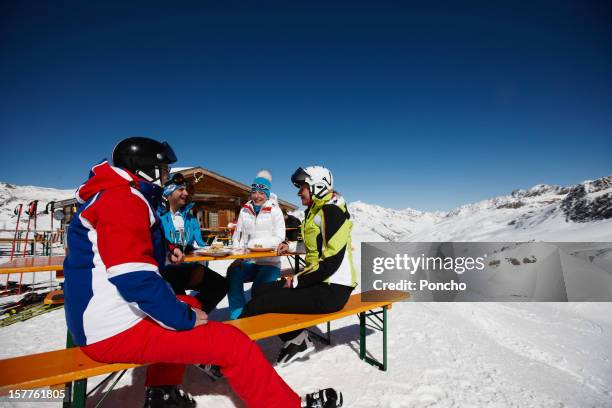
(410, 105)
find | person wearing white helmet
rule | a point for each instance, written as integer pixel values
(326, 282)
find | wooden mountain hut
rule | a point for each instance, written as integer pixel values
(217, 198)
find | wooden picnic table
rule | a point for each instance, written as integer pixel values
(194, 257)
(56, 263)
(33, 264)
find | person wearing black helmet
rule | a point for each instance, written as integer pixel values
(326, 282)
(118, 307)
(146, 158)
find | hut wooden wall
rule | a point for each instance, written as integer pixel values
(217, 202)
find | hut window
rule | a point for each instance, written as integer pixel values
(213, 219)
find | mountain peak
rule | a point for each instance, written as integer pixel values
(540, 189)
(590, 200)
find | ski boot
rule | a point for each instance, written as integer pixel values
(168, 396)
(327, 398)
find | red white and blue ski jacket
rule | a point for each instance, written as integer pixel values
(115, 249)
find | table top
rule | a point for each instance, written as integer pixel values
(33, 264)
(56, 263)
(249, 255)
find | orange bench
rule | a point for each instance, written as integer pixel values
(72, 367)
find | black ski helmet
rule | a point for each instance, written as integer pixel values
(143, 156)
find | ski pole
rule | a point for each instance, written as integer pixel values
(25, 245)
(50, 211)
(18, 213)
(31, 211)
(35, 217)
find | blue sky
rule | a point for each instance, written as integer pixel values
(410, 105)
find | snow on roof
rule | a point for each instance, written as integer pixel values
(177, 169)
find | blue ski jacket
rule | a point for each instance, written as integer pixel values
(192, 227)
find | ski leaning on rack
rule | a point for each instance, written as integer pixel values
(13, 287)
(27, 313)
(26, 308)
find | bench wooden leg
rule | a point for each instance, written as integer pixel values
(75, 391)
(68, 396)
(79, 397)
(373, 320)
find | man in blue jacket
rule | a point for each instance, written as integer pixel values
(182, 230)
(179, 224)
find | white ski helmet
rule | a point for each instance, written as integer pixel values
(318, 178)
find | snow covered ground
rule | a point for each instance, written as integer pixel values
(440, 354)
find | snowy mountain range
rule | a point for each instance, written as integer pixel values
(12, 195)
(581, 212)
(544, 212)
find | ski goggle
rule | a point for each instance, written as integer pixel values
(299, 177)
(176, 178)
(176, 182)
(258, 187)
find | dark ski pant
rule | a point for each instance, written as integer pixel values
(238, 274)
(211, 286)
(274, 298)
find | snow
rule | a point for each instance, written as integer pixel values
(600, 193)
(178, 169)
(440, 354)
(443, 355)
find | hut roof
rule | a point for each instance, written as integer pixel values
(200, 172)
